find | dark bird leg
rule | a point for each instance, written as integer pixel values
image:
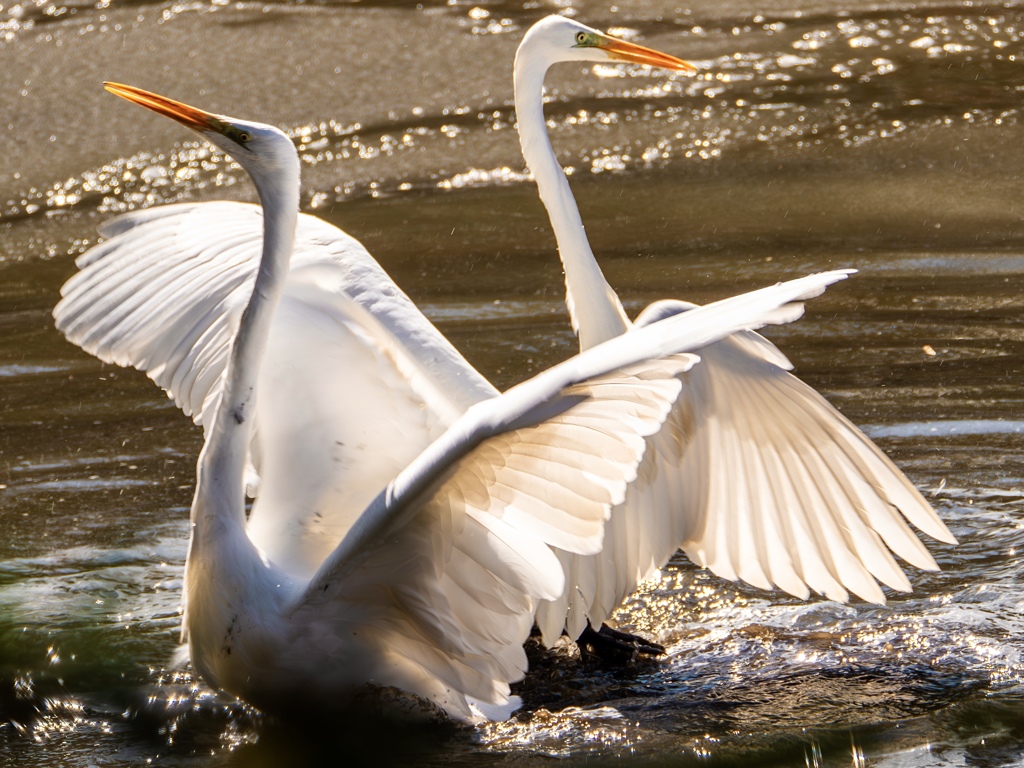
(613, 646)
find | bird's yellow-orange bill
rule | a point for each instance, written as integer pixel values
(638, 54)
(183, 113)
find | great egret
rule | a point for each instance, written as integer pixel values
(773, 486)
(433, 586)
(755, 476)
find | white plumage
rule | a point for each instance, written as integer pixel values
(419, 566)
(755, 475)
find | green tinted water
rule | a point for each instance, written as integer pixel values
(886, 138)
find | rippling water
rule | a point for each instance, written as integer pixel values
(885, 136)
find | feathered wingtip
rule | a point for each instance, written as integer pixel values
(180, 658)
(484, 712)
(817, 283)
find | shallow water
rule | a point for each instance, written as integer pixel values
(886, 136)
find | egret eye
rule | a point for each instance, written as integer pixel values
(244, 137)
(581, 38)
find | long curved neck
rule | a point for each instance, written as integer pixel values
(222, 463)
(596, 312)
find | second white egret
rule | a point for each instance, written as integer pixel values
(755, 476)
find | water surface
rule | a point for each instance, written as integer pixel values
(884, 136)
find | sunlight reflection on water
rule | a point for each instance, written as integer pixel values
(883, 137)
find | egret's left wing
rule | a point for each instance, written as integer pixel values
(163, 294)
(442, 572)
(443, 588)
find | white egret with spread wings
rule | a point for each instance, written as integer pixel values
(430, 585)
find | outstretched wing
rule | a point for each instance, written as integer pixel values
(355, 381)
(445, 599)
(756, 477)
(809, 501)
(444, 570)
(162, 294)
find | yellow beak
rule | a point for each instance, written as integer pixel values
(620, 49)
(184, 114)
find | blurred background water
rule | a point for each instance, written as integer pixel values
(885, 136)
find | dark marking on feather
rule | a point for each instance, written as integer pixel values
(239, 412)
(229, 636)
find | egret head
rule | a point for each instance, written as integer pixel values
(556, 38)
(262, 150)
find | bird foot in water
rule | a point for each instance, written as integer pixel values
(613, 645)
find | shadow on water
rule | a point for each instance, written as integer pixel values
(362, 737)
(175, 723)
(366, 742)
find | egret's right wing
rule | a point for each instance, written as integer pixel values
(777, 487)
(756, 345)
(444, 569)
(163, 294)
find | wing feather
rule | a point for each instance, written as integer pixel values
(483, 536)
(459, 488)
(161, 295)
(758, 478)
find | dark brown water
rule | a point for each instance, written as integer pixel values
(885, 136)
